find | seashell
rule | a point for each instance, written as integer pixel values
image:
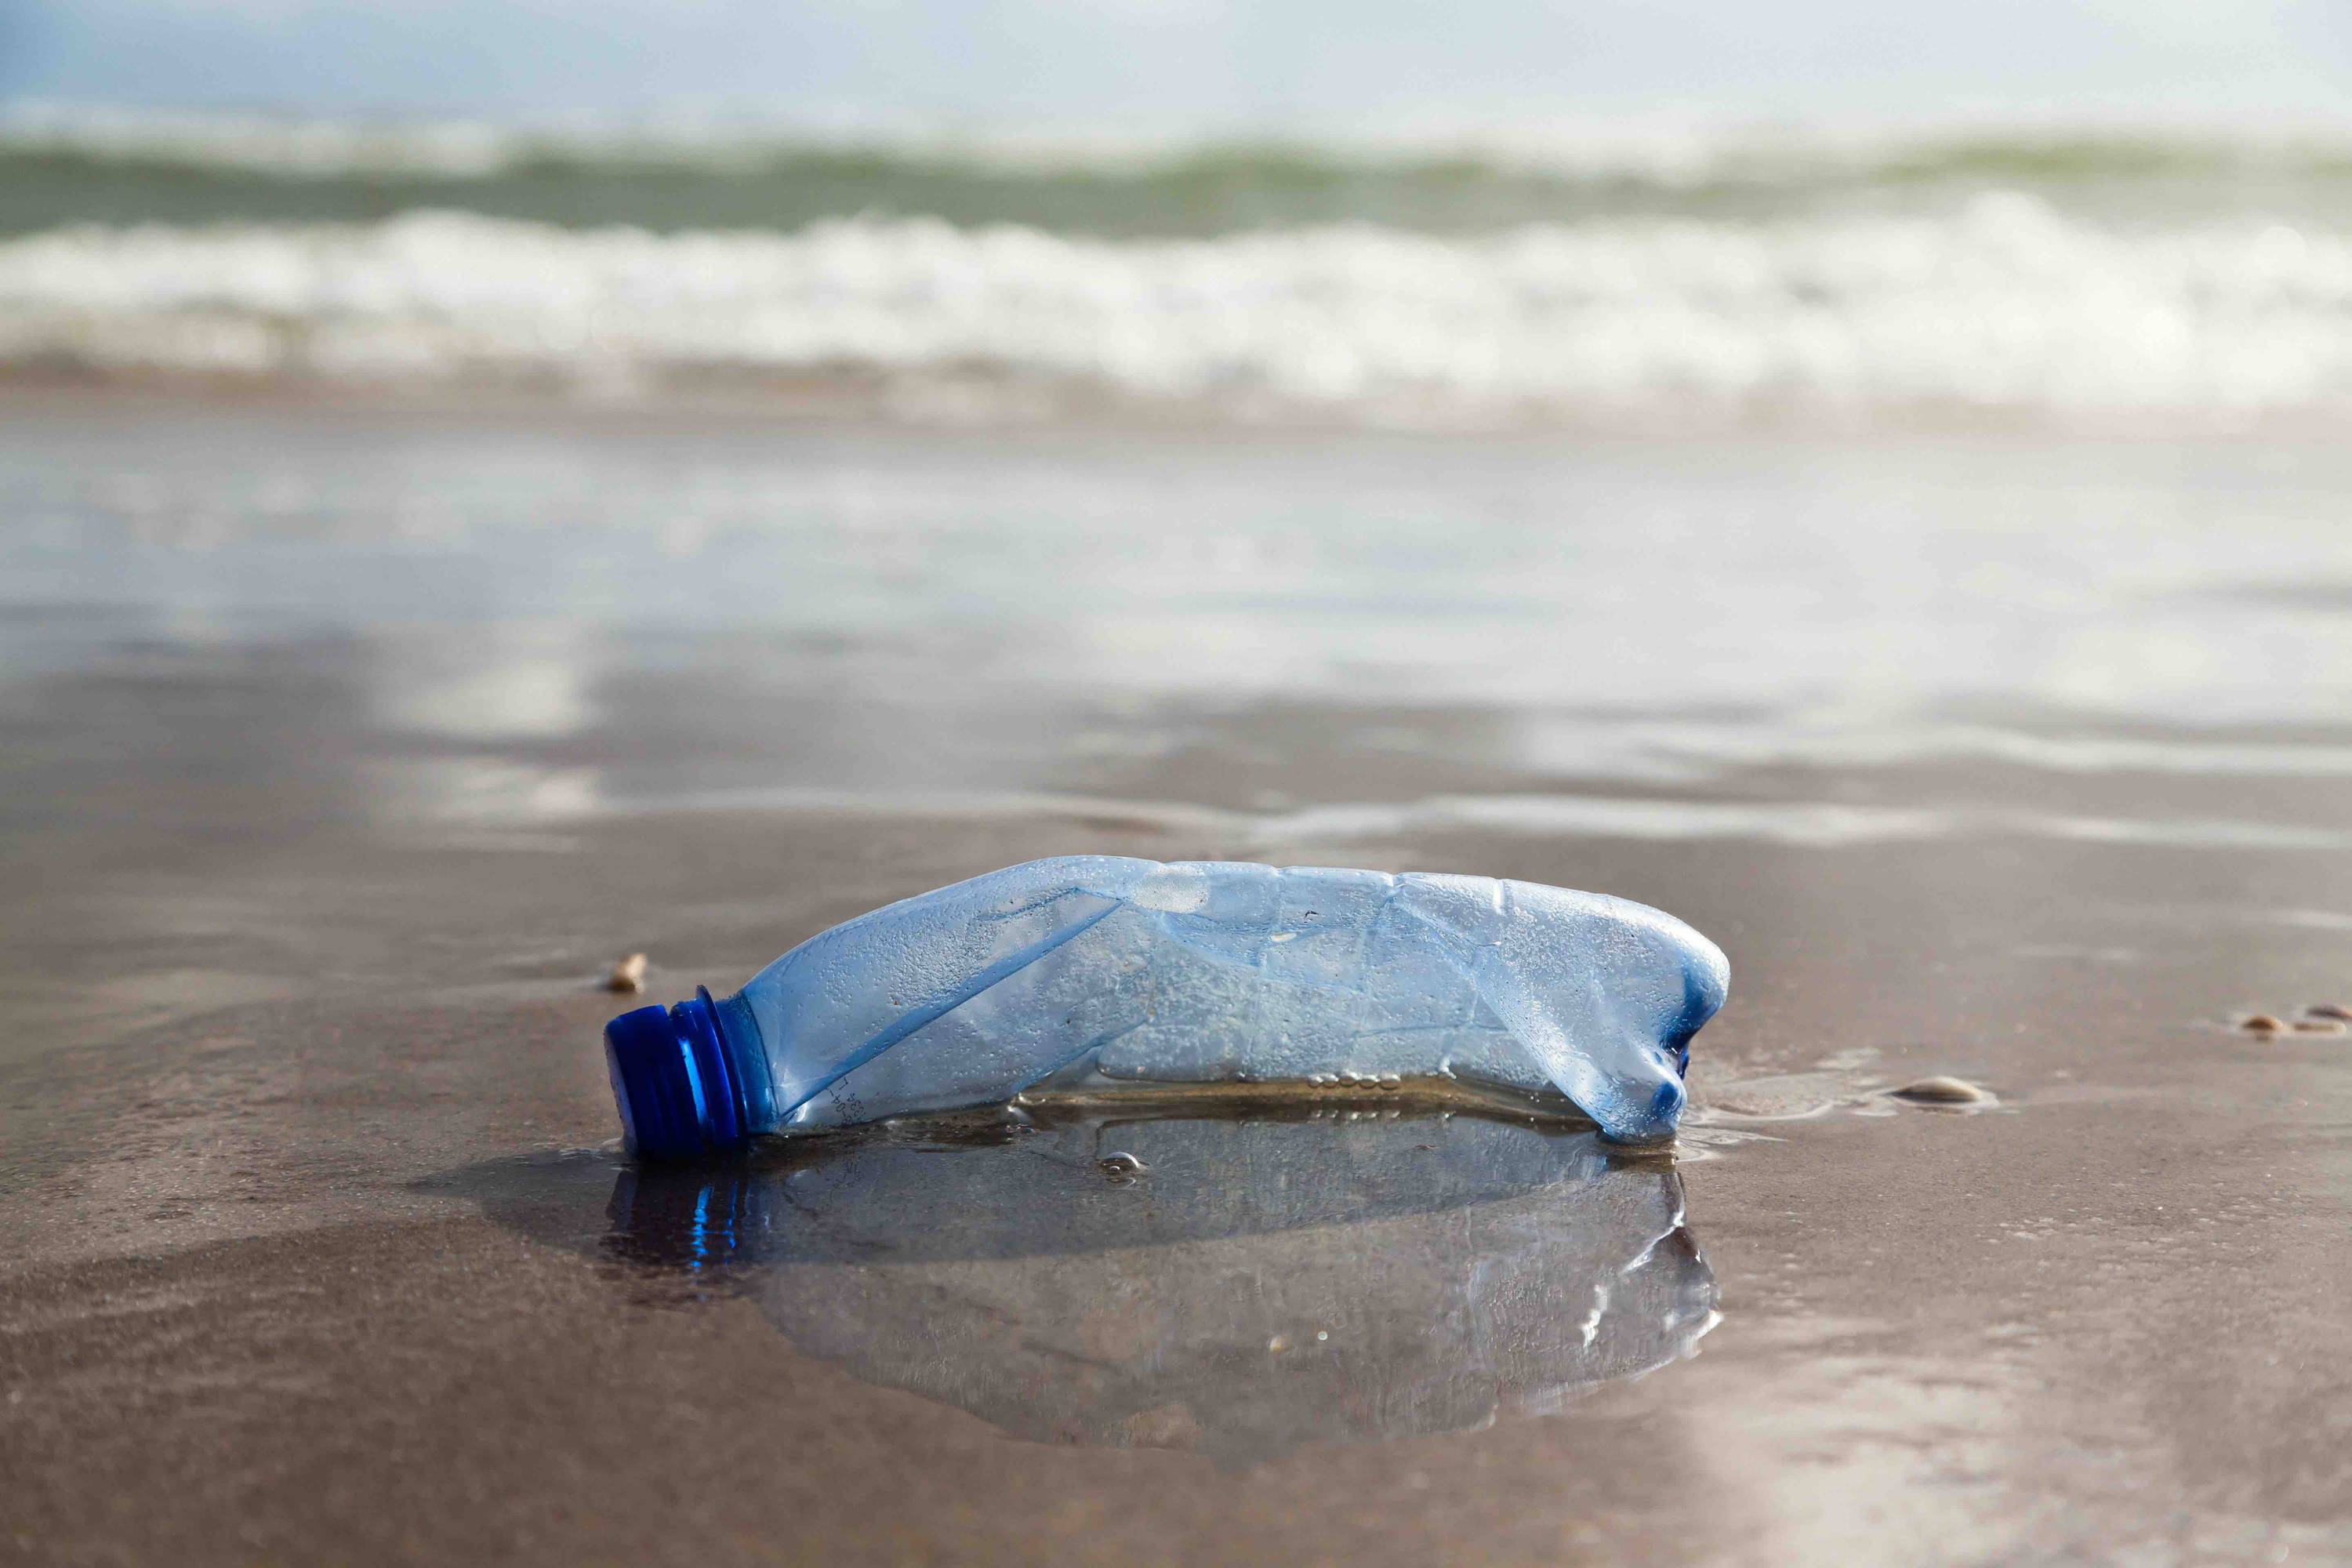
(1942, 1090)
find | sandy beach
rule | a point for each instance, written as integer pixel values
(347, 752)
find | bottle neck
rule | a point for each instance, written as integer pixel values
(745, 1050)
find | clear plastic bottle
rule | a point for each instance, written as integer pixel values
(1099, 971)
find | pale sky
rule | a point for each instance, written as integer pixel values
(1196, 64)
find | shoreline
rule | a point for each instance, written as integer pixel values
(821, 401)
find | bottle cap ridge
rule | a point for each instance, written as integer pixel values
(671, 1079)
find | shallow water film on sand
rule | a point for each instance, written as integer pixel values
(1238, 1287)
(352, 751)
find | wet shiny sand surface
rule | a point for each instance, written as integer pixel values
(314, 1252)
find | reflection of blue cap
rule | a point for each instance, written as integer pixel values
(684, 1087)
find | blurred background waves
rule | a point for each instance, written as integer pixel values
(2081, 216)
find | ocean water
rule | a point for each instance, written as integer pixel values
(2082, 286)
(1825, 498)
(1285, 644)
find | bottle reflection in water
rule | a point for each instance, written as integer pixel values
(1235, 1286)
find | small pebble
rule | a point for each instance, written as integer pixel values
(2317, 1027)
(2330, 1010)
(628, 976)
(1120, 1165)
(1943, 1091)
(2262, 1023)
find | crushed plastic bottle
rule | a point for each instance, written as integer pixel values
(1097, 972)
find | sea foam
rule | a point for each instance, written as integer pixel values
(2003, 306)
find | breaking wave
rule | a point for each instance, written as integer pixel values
(2002, 307)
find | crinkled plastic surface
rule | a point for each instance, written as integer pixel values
(1095, 969)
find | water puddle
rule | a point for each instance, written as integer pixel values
(1237, 1285)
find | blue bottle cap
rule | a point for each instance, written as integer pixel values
(673, 1077)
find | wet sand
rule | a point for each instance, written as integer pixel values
(261, 1300)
